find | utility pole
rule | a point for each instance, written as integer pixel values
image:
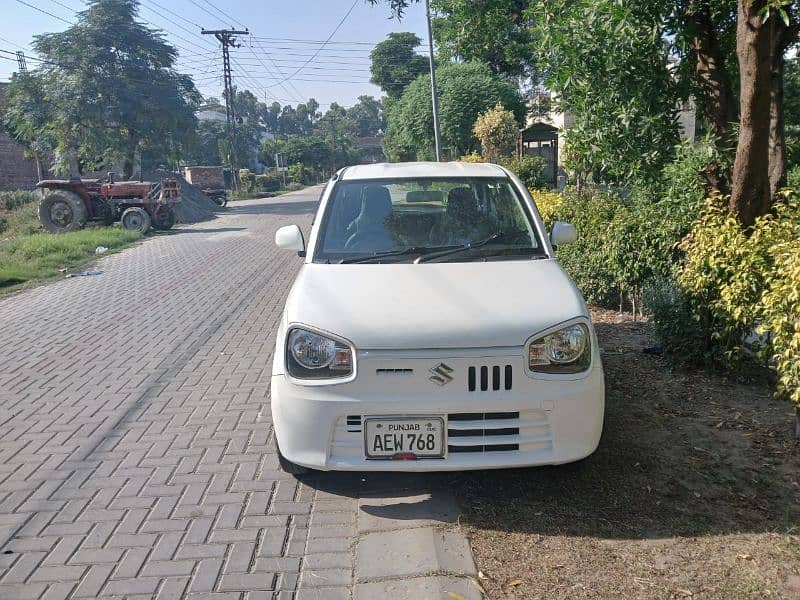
(437, 134)
(23, 66)
(227, 39)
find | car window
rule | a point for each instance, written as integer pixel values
(364, 218)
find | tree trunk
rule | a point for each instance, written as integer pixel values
(750, 190)
(39, 166)
(782, 36)
(130, 156)
(777, 133)
(717, 99)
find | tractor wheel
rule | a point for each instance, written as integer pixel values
(62, 211)
(136, 219)
(163, 217)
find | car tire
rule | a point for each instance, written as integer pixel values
(289, 467)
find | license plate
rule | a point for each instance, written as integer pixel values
(420, 437)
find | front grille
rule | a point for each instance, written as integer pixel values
(484, 377)
(483, 432)
(353, 423)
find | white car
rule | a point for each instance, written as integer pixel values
(430, 328)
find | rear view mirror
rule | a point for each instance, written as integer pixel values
(563, 233)
(290, 238)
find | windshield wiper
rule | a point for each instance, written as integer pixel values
(379, 255)
(498, 235)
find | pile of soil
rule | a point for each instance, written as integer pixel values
(194, 205)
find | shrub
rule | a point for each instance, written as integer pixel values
(793, 179)
(530, 169)
(497, 131)
(733, 282)
(780, 311)
(548, 204)
(269, 182)
(247, 179)
(16, 198)
(472, 158)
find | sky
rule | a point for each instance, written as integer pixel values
(271, 62)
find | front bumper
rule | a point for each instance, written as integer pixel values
(540, 421)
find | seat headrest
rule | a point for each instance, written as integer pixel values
(376, 204)
(461, 202)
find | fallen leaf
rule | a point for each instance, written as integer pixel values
(514, 582)
(482, 575)
(455, 596)
(687, 593)
(744, 556)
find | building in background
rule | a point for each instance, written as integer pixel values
(16, 171)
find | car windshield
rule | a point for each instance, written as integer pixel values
(455, 219)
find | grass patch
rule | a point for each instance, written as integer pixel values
(27, 254)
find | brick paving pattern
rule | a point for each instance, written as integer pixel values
(136, 450)
(135, 441)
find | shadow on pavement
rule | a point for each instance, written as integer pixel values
(274, 208)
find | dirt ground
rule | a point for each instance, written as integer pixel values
(694, 492)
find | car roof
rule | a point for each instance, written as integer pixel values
(420, 170)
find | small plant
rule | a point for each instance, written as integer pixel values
(497, 131)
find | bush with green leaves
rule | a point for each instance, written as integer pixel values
(15, 198)
(734, 283)
(530, 169)
(793, 180)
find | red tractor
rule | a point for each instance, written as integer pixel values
(67, 205)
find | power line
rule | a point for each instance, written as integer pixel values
(41, 10)
(330, 37)
(224, 14)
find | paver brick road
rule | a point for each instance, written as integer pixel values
(136, 452)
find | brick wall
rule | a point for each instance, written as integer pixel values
(205, 177)
(15, 171)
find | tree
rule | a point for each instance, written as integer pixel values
(766, 28)
(791, 107)
(368, 117)
(113, 88)
(395, 64)
(205, 148)
(497, 130)
(616, 82)
(466, 90)
(496, 32)
(27, 116)
(338, 130)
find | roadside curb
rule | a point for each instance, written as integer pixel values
(400, 546)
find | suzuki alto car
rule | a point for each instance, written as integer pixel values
(431, 328)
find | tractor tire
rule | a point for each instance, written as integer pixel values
(163, 217)
(62, 211)
(136, 219)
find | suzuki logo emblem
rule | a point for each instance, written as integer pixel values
(441, 374)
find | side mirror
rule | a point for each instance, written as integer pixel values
(563, 233)
(290, 238)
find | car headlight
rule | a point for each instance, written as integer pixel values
(568, 350)
(314, 356)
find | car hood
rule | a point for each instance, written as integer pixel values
(434, 305)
